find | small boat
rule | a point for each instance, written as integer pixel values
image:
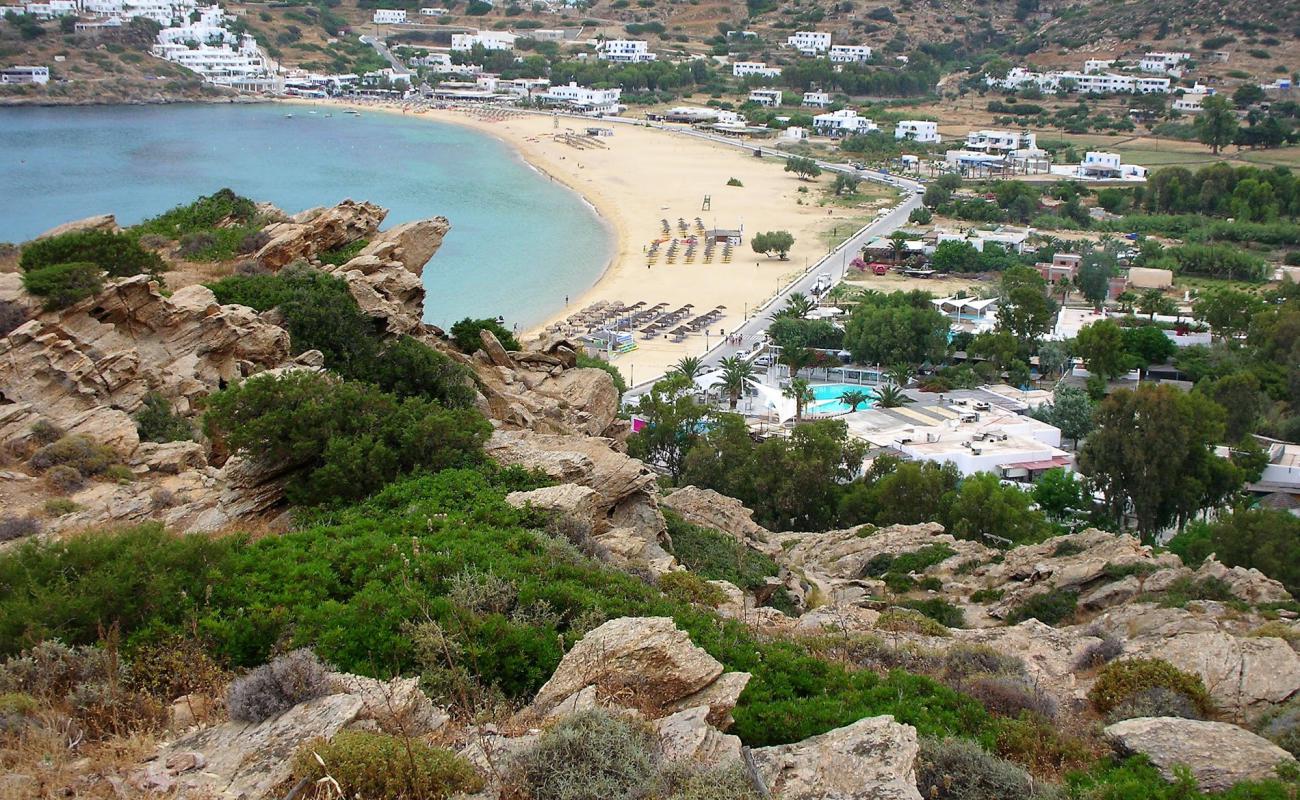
(328, 114)
(288, 116)
(353, 112)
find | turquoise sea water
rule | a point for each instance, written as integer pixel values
(519, 242)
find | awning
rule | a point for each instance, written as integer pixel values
(1049, 463)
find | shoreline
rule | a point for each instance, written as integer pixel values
(640, 178)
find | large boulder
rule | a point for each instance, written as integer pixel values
(872, 759)
(317, 230)
(410, 244)
(1250, 585)
(708, 509)
(687, 736)
(1218, 754)
(646, 664)
(100, 222)
(578, 503)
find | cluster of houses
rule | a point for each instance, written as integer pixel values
(813, 44)
(194, 36)
(1096, 77)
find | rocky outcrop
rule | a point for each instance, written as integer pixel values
(385, 278)
(869, 760)
(100, 222)
(707, 508)
(645, 664)
(410, 244)
(1051, 655)
(628, 525)
(1219, 755)
(1250, 585)
(687, 736)
(88, 368)
(318, 230)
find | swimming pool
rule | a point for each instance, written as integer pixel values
(826, 397)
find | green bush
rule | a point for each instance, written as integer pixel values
(64, 284)
(986, 595)
(342, 255)
(908, 620)
(939, 610)
(344, 439)
(591, 755)
(963, 661)
(465, 334)
(1119, 681)
(688, 588)
(956, 769)
(377, 766)
(213, 228)
(1136, 779)
(157, 422)
(716, 556)
(1050, 607)
(117, 254)
(406, 368)
(77, 451)
(1157, 701)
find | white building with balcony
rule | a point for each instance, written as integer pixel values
(741, 69)
(1082, 82)
(844, 122)
(390, 16)
(990, 141)
(918, 130)
(490, 40)
(24, 74)
(1093, 65)
(768, 98)
(1190, 102)
(1161, 62)
(624, 51)
(582, 98)
(809, 43)
(850, 53)
(218, 55)
(1099, 166)
(816, 99)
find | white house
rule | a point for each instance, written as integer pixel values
(809, 43)
(52, 8)
(770, 98)
(850, 53)
(970, 314)
(582, 98)
(434, 12)
(218, 55)
(740, 69)
(1190, 102)
(1097, 65)
(844, 122)
(491, 40)
(11, 75)
(1082, 82)
(1161, 62)
(990, 141)
(390, 16)
(1010, 445)
(1098, 166)
(816, 99)
(917, 130)
(624, 51)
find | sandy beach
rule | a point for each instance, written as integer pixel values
(643, 176)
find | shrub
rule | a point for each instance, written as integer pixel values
(119, 473)
(681, 781)
(64, 284)
(734, 182)
(1049, 608)
(963, 661)
(177, 666)
(1067, 547)
(1122, 680)
(986, 595)
(288, 680)
(157, 422)
(1101, 653)
(11, 316)
(342, 255)
(1008, 696)
(939, 610)
(1156, 701)
(465, 334)
(346, 439)
(957, 769)
(689, 588)
(906, 620)
(1186, 590)
(1281, 724)
(44, 432)
(15, 527)
(16, 711)
(381, 767)
(1044, 745)
(591, 755)
(77, 451)
(65, 479)
(408, 368)
(60, 506)
(715, 556)
(118, 254)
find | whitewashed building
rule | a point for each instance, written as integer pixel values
(1161, 62)
(816, 99)
(769, 98)
(624, 51)
(844, 122)
(218, 55)
(809, 43)
(741, 69)
(850, 53)
(24, 74)
(1190, 102)
(1099, 166)
(918, 130)
(1082, 82)
(434, 12)
(990, 141)
(582, 98)
(1093, 65)
(490, 40)
(390, 16)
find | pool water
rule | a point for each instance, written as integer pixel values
(826, 398)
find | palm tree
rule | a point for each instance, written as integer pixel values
(1125, 300)
(1063, 286)
(899, 374)
(890, 396)
(690, 366)
(1151, 302)
(797, 305)
(735, 371)
(801, 392)
(898, 244)
(797, 358)
(854, 398)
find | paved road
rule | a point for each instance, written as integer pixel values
(381, 47)
(833, 263)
